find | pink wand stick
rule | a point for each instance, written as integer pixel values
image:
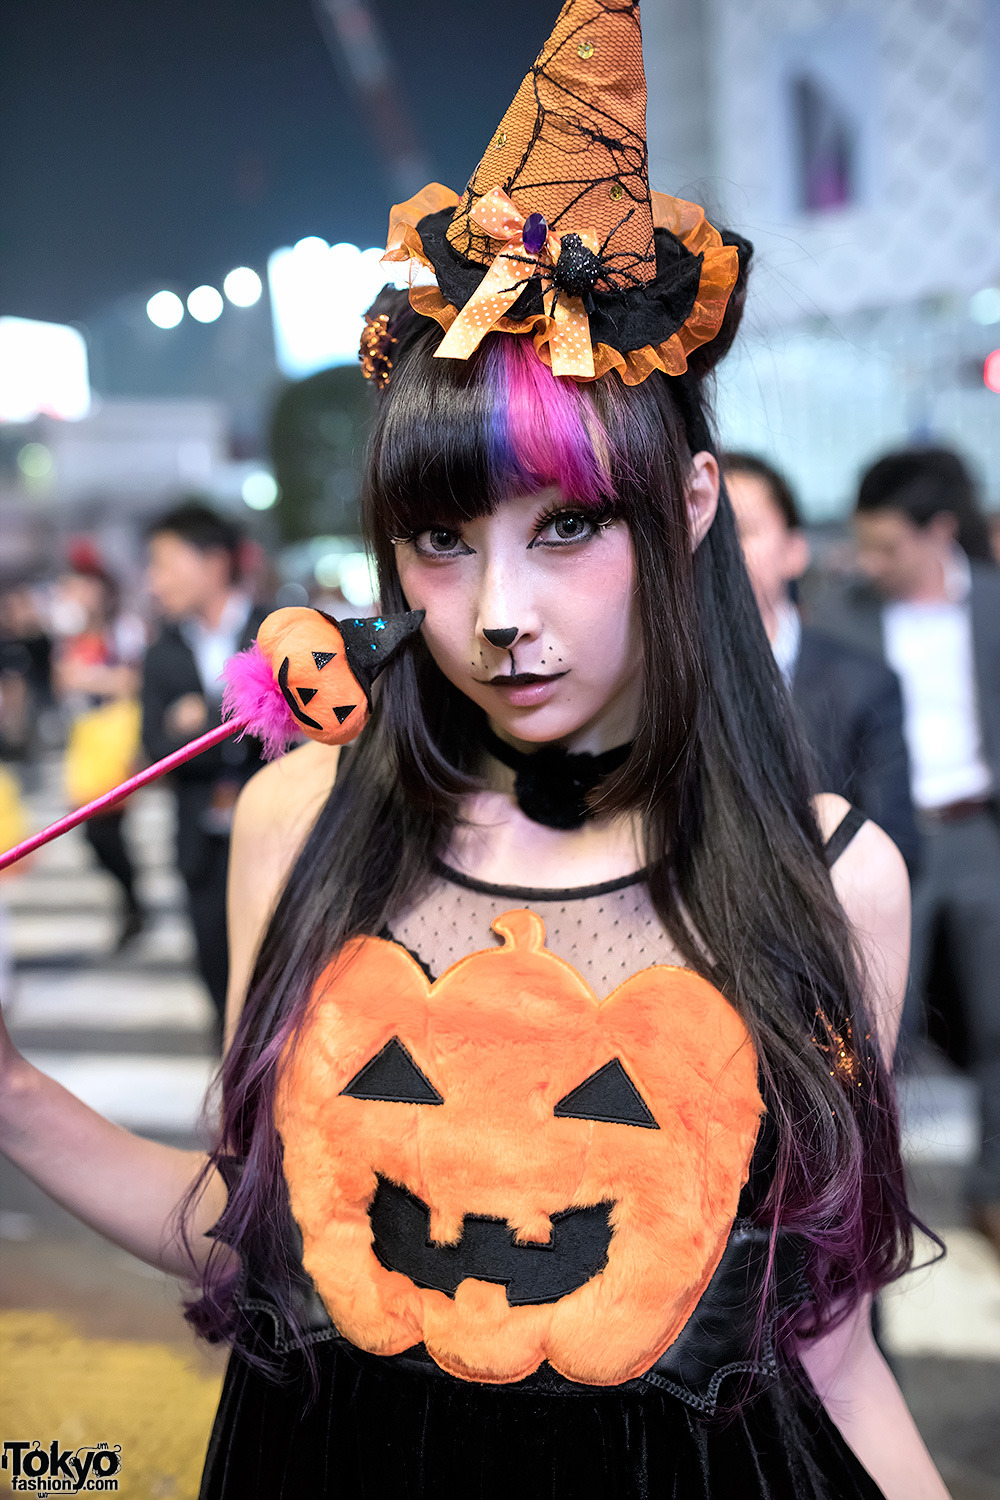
(142, 778)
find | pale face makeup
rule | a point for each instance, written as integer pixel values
(565, 584)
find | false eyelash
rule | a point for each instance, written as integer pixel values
(411, 534)
(599, 516)
(436, 523)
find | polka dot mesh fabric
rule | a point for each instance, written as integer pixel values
(606, 932)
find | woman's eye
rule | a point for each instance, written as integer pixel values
(439, 541)
(568, 526)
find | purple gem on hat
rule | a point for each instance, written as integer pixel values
(535, 233)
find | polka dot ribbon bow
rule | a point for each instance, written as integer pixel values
(529, 249)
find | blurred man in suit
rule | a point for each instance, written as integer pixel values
(194, 576)
(929, 601)
(848, 701)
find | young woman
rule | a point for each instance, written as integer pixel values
(583, 590)
(558, 1154)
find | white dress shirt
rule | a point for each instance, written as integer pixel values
(929, 646)
(787, 640)
(211, 649)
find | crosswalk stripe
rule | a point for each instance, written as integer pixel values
(949, 1308)
(129, 1000)
(142, 1093)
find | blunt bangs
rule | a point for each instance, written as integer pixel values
(452, 448)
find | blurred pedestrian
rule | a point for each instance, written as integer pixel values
(930, 601)
(25, 677)
(96, 680)
(848, 700)
(194, 576)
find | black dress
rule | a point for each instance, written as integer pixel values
(714, 1416)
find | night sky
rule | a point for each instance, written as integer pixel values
(162, 142)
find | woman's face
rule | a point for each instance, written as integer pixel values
(556, 591)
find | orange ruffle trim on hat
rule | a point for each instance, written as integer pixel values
(719, 271)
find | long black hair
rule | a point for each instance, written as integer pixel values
(716, 773)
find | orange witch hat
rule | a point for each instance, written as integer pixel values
(572, 145)
(557, 234)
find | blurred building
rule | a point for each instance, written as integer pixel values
(858, 145)
(109, 472)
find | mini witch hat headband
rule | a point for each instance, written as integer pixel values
(557, 234)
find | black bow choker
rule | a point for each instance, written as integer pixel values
(551, 785)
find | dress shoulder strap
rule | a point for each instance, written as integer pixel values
(850, 823)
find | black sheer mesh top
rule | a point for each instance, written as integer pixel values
(607, 932)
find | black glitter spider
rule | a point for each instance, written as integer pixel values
(578, 270)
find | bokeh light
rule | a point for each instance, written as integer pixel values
(984, 306)
(43, 371)
(260, 490)
(991, 371)
(311, 244)
(35, 461)
(327, 570)
(205, 304)
(242, 286)
(319, 294)
(165, 309)
(358, 581)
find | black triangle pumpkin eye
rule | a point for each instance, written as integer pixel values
(323, 659)
(609, 1095)
(393, 1076)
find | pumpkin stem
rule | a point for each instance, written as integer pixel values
(520, 929)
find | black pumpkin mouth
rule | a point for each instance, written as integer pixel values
(487, 1251)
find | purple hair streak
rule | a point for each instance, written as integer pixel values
(546, 432)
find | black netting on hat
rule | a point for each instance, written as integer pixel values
(572, 145)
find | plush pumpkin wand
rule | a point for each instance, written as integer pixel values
(306, 674)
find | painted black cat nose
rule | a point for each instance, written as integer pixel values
(502, 638)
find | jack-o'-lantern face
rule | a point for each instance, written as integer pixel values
(505, 1168)
(325, 668)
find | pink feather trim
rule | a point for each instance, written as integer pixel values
(254, 696)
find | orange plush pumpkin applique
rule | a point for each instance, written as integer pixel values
(325, 667)
(507, 1169)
